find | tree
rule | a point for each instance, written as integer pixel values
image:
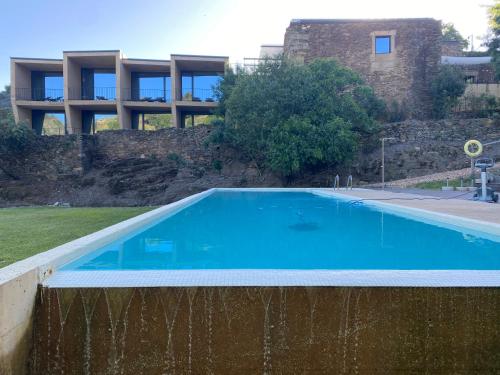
(5, 98)
(14, 139)
(449, 32)
(447, 86)
(290, 117)
(493, 40)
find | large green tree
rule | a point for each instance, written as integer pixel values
(493, 40)
(450, 32)
(5, 98)
(291, 117)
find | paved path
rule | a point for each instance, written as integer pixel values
(489, 212)
(441, 176)
(464, 195)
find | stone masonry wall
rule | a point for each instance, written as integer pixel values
(139, 168)
(187, 143)
(425, 147)
(402, 76)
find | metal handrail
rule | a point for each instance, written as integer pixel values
(349, 183)
(198, 95)
(97, 93)
(40, 94)
(147, 95)
(336, 182)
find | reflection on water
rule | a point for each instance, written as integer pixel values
(230, 230)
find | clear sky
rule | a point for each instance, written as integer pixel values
(157, 28)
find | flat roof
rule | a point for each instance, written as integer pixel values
(208, 56)
(465, 60)
(152, 60)
(34, 58)
(92, 51)
(354, 20)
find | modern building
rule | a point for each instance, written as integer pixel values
(84, 84)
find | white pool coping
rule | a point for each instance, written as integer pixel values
(48, 262)
(273, 277)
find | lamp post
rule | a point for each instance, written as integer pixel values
(383, 159)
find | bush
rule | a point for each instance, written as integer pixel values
(446, 88)
(290, 117)
(396, 112)
(14, 140)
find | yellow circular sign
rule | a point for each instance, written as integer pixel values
(473, 148)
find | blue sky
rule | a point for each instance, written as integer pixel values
(155, 29)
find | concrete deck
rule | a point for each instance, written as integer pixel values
(475, 210)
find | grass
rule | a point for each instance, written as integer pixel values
(28, 231)
(433, 185)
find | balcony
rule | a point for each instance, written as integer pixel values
(147, 95)
(40, 94)
(97, 94)
(199, 95)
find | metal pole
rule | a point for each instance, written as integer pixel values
(383, 159)
(383, 164)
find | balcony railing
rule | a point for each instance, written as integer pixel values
(97, 93)
(40, 94)
(199, 95)
(147, 95)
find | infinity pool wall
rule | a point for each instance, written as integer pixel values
(242, 330)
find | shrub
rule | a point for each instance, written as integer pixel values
(14, 140)
(446, 88)
(291, 117)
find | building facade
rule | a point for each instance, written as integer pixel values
(84, 84)
(397, 57)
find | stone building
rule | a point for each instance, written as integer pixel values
(397, 57)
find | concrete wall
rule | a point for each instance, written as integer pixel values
(403, 76)
(71, 66)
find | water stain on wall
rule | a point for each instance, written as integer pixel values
(277, 330)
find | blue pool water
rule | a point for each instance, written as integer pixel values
(291, 230)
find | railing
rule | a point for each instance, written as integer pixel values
(199, 95)
(40, 94)
(147, 95)
(98, 93)
(480, 103)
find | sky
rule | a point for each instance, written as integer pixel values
(157, 28)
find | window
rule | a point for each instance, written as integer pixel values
(382, 45)
(199, 86)
(151, 87)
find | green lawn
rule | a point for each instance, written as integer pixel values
(438, 184)
(28, 231)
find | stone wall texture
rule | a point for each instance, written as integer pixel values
(451, 48)
(273, 330)
(130, 167)
(425, 147)
(403, 76)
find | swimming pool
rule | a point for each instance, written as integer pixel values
(293, 230)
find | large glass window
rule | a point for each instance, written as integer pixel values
(382, 44)
(199, 86)
(54, 87)
(104, 85)
(45, 86)
(154, 88)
